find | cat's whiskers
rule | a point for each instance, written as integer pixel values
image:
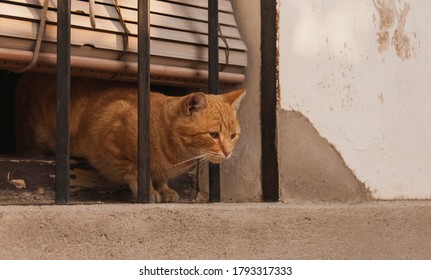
(200, 162)
(240, 147)
(234, 154)
(188, 160)
(193, 164)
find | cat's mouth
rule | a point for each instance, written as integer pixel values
(217, 158)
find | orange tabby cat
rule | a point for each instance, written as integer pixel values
(103, 128)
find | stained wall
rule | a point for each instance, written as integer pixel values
(360, 73)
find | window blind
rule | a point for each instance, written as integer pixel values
(178, 43)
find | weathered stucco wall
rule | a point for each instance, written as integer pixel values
(310, 169)
(360, 71)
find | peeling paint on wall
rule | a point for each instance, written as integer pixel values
(370, 98)
(393, 21)
(381, 98)
(400, 40)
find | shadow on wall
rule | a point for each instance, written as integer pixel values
(311, 170)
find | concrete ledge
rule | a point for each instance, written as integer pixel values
(372, 230)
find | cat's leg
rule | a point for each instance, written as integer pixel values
(122, 171)
(167, 194)
(154, 195)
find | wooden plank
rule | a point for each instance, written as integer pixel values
(28, 13)
(81, 37)
(31, 181)
(159, 7)
(24, 182)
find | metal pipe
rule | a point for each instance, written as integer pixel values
(214, 169)
(143, 100)
(62, 169)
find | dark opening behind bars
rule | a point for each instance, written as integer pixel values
(62, 172)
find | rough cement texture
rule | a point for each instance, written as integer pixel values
(310, 168)
(372, 230)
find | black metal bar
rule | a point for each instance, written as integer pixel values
(143, 100)
(62, 170)
(214, 169)
(270, 179)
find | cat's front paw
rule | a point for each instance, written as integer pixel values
(155, 196)
(169, 195)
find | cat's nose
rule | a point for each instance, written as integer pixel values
(226, 148)
(227, 154)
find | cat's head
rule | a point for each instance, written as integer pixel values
(208, 126)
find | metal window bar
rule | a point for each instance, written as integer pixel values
(213, 87)
(62, 170)
(143, 100)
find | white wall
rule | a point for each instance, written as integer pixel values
(370, 98)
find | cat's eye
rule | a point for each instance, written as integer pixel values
(233, 135)
(213, 135)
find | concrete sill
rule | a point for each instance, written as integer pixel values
(372, 230)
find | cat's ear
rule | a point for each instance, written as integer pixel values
(194, 102)
(234, 98)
